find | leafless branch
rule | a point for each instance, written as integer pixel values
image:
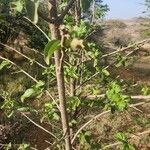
(38, 28)
(48, 93)
(140, 43)
(39, 126)
(3, 58)
(39, 64)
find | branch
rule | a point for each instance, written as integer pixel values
(114, 52)
(140, 43)
(87, 123)
(27, 74)
(39, 126)
(100, 115)
(132, 97)
(119, 143)
(69, 5)
(47, 19)
(38, 28)
(39, 64)
(48, 93)
(34, 50)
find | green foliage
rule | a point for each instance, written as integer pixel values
(70, 71)
(79, 64)
(145, 90)
(85, 137)
(34, 91)
(5, 64)
(86, 141)
(17, 5)
(50, 48)
(21, 147)
(76, 31)
(123, 139)
(88, 6)
(121, 61)
(9, 106)
(117, 101)
(49, 112)
(8, 146)
(31, 7)
(73, 103)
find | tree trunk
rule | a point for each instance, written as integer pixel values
(55, 34)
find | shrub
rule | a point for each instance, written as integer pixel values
(117, 37)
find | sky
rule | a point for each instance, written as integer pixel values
(124, 9)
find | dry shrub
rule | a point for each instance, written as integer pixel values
(116, 24)
(117, 37)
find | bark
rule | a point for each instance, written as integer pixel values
(77, 18)
(77, 12)
(55, 34)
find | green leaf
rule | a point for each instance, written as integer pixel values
(105, 72)
(74, 102)
(85, 137)
(4, 64)
(50, 48)
(28, 93)
(72, 123)
(121, 137)
(35, 90)
(56, 116)
(145, 90)
(80, 31)
(24, 147)
(117, 101)
(39, 84)
(8, 146)
(17, 6)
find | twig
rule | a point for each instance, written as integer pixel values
(39, 126)
(69, 5)
(125, 48)
(48, 93)
(87, 80)
(119, 143)
(132, 97)
(36, 51)
(114, 52)
(38, 28)
(46, 18)
(97, 116)
(87, 123)
(3, 58)
(23, 55)
(136, 109)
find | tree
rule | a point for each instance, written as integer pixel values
(76, 62)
